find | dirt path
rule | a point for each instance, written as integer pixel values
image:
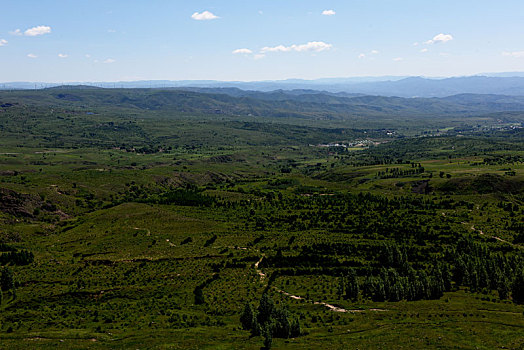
(501, 240)
(297, 297)
(497, 238)
(148, 232)
(260, 273)
(329, 306)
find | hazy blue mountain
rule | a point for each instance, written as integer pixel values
(511, 84)
(423, 87)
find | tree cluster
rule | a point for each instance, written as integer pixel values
(269, 320)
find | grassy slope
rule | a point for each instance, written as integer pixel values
(117, 274)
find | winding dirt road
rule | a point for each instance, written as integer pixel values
(297, 297)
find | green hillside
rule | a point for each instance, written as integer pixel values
(170, 219)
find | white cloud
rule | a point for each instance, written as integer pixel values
(362, 55)
(259, 56)
(32, 55)
(315, 46)
(375, 52)
(62, 55)
(415, 44)
(328, 13)
(398, 59)
(3, 42)
(109, 60)
(439, 38)
(424, 50)
(203, 16)
(16, 32)
(39, 30)
(516, 54)
(111, 31)
(279, 48)
(88, 55)
(242, 51)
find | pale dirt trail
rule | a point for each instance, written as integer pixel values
(260, 273)
(296, 297)
(148, 232)
(497, 238)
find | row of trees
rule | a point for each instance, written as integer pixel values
(392, 286)
(22, 257)
(392, 173)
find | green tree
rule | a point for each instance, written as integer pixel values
(267, 333)
(517, 290)
(295, 330)
(503, 288)
(352, 286)
(282, 325)
(265, 309)
(247, 318)
(199, 296)
(7, 281)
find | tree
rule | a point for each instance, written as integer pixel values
(503, 288)
(267, 333)
(282, 326)
(352, 286)
(517, 290)
(199, 296)
(265, 309)
(248, 317)
(6, 279)
(295, 330)
(269, 321)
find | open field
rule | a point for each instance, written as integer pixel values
(137, 228)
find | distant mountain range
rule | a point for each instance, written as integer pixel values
(511, 84)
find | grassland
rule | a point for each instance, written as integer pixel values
(130, 213)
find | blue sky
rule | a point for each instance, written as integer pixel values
(64, 41)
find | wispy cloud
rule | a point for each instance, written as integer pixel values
(371, 53)
(312, 46)
(328, 13)
(109, 60)
(424, 50)
(315, 46)
(62, 55)
(16, 32)
(440, 38)
(204, 16)
(398, 59)
(32, 55)
(242, 51)
(3, 42)
(515, 54)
